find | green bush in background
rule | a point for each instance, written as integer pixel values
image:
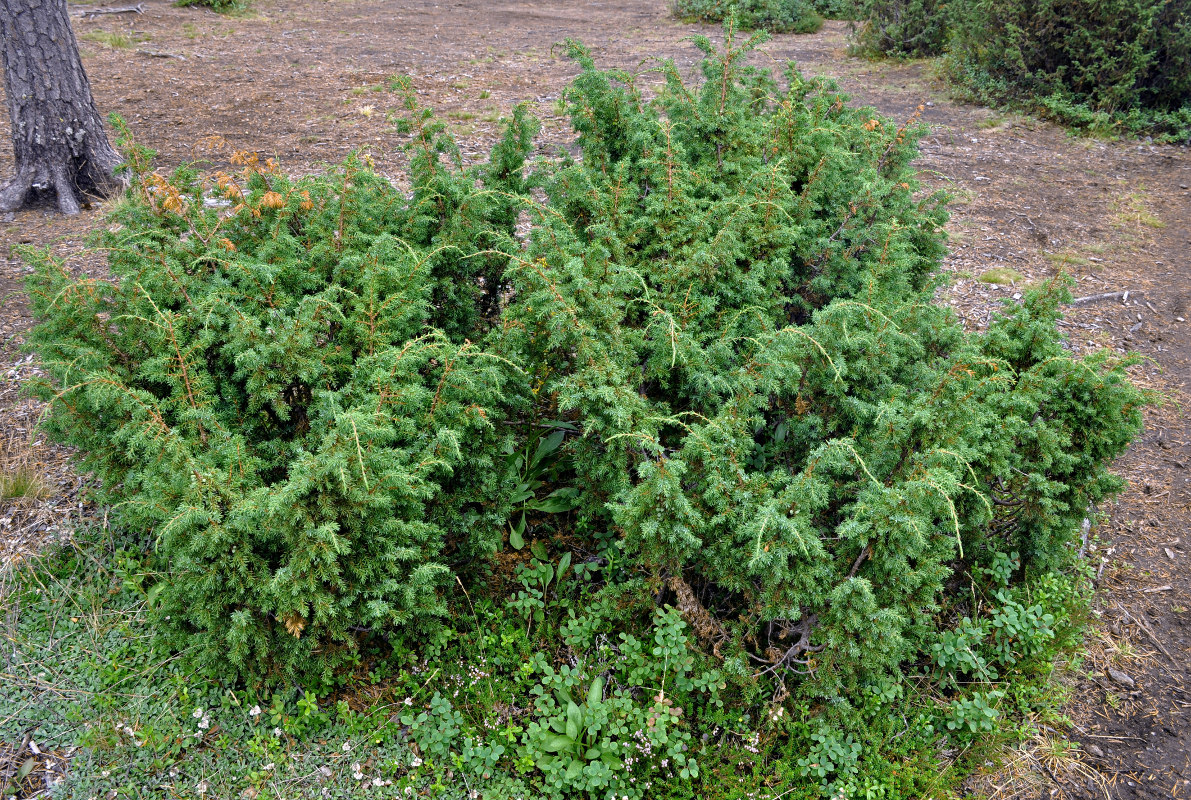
(1103, 65)
(776, 16)
(1106, 66)
(902, 28)
(219, 6)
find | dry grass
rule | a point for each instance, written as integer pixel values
(21, 473)
(1133, 210)
(1047, 761)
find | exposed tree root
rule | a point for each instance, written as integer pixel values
(13, 195)
(19, 191)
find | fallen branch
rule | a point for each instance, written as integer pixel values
(139, 8)
(1096, 298)
(156, 54)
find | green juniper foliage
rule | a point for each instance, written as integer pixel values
(751, 474)
(282, 392)
(733, 303)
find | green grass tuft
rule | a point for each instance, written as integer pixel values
(1002, 276)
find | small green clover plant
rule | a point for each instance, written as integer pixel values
(629, 729)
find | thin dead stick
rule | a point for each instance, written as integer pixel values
(1145, 626)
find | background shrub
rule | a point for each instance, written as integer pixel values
(836, 9)
(777, 16)
(1166, 83)
(220, 6)
(1103, 65)
(1126, 60)
(902, 28)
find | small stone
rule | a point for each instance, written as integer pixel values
(1094, 750)
(1121, 677)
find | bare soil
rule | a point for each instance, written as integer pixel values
(298, 80)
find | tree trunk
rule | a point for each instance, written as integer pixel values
(57, 135)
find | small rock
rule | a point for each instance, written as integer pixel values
(1121, 677)
(1094, 750)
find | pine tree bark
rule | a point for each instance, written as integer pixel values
(58, 138)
